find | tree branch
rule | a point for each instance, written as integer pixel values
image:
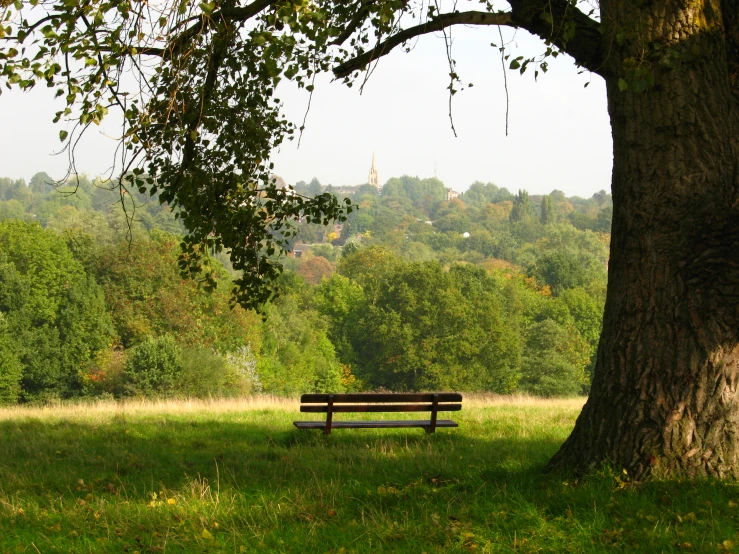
(565, 26)
(556, 21)
(437, 24)
(227, 12)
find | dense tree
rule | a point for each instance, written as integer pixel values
(54, 316)
(427, 329)
(148, 297)
(548, 214)
(41, 183)
(522, 210)
(564, 269)
(314, 269)
(296, 354)
(554, 361)
(315, 188)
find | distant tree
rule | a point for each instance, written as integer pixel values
(458, 222)
(554, 361)
(54, 313)
(314, 269)
(480, 194)
(522, 210)
(315, 188)
(563, 269)
(424, 194)
(148, 297)
(369, 267)
(603, 220)
(427, 329)
(601, 197)
(41, 183)
(296, 355)
(325, 250)
(301, 187)
(587, 313)
(548, 215)
(11, 368)
(11, 209)
(342, 301)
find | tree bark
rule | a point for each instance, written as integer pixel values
(664, 397)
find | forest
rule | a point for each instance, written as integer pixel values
(489, 291)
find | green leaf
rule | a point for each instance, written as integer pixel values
(207, 7)
(623, 85)
(63, 135)
(639, 85)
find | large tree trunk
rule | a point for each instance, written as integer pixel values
(664, 398)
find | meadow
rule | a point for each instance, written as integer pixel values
(236, 476)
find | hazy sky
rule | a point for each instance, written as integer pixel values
(559, 135)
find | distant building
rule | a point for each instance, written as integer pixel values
(374, 176)
(299, 250)
(451, 195)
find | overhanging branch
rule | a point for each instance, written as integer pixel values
(565, 26)
(229, 13)
(436, 24)
(555, 21)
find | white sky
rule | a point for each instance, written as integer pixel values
(559, 135)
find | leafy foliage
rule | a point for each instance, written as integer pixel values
(200, 130)
(401, 311)
(54, 314)
(154, 367)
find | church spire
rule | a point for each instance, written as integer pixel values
(374, 176)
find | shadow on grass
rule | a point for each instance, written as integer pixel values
(452, 490)
(144, 454)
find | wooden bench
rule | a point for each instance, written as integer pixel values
(379, 402)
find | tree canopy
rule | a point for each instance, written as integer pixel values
(200, 113)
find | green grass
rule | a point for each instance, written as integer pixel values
(238, 477)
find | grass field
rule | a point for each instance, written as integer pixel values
(236, 476)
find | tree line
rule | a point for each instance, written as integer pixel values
(417, 293)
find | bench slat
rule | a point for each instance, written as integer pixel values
(381, 397)
(381, 408)
(374, 424)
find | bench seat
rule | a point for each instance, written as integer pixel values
(423, 423)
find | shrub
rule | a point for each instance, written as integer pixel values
(204, 373)
(242, 366)
(153, 367)
(105, 375)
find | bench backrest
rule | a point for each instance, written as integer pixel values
(382, 402)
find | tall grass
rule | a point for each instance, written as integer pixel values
(236, 476)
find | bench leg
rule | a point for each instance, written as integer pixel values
(329, 414)
(431, 428)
